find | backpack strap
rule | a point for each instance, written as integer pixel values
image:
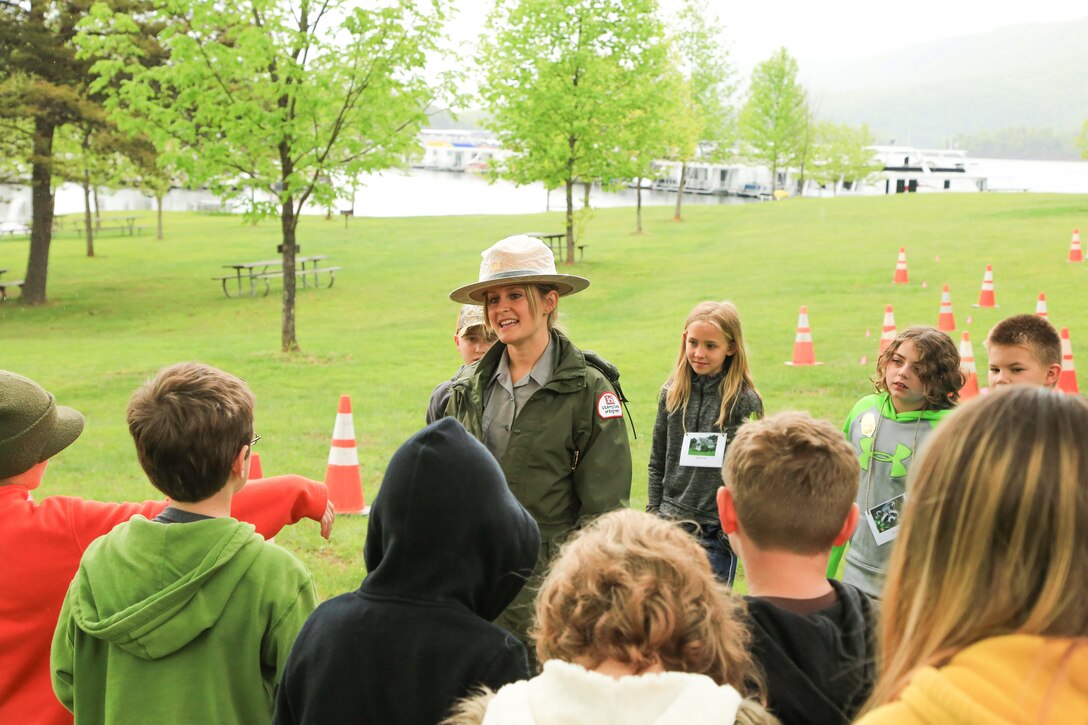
(612, 374)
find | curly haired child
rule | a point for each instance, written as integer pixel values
(917, 383)
(632, 627)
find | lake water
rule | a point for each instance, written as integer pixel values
(436, 193)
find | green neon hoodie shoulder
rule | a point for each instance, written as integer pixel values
(179, 622)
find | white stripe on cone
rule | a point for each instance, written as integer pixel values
(343, 456)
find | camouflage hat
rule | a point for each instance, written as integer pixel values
(33, 428)
(469, 316)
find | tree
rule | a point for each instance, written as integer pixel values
(562, 79)
(703, 109)
(842, 154)
(272, 102)
(43, 87)
(774, 118)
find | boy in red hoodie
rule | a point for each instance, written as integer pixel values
(41, 543)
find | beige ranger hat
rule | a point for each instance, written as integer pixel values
(517, 260)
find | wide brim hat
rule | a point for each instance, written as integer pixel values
(518, 260)
(33, 428)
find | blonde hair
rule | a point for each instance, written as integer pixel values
(793, 480)
(533, 300)
(638, 589)
(993, 540)
(725, 317)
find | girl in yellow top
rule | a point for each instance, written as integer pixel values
(984, 616)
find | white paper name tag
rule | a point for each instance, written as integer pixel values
(703, 450)
(884, 519)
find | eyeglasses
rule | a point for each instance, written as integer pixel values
(254, 441)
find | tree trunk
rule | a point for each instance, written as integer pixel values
(638, 205)
(288, 222)
(586, 186)
(41, 229)
(570, 220)
(87, 227)
(158, 216)
(676, 217)
(572, 143)
(97, 210)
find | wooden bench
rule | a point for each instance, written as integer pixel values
(17, 283)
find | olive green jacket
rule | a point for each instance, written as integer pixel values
(565, 460)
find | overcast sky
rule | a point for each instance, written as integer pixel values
(817, 30)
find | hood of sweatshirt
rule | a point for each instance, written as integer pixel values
(444, 527)
(819, 666)
(567, 693)
(152, 588)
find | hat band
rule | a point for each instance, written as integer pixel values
(517, 273)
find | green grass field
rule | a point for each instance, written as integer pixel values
(383, 333)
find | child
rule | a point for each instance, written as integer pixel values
(632, 628)
(190, 614)
(709, 394)
(472, 339)
(447, 548)
(1024, 349)
(917, 382)
(790, 485)
(44, 541)
(984, 618)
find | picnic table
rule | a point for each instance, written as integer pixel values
(249, 277)
(557, 243)
(18, 283)
(126, 225)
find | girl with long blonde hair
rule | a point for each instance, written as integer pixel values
(709, 394)
(984, 614)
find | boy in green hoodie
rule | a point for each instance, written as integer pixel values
(191, 615)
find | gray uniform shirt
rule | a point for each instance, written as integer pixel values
(505, 398)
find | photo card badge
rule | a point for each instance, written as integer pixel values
(884, 519)
(703, 450)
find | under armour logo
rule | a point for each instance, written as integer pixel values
(902, 453)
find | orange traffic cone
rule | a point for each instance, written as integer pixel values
(1075, 254)
(901, 267)
(1040, 306)
(887, 332)
(342, 475)
(803, 352)
(1067, 379)
(255, 470)
(986, 296)
(967, 365)
(946, 320)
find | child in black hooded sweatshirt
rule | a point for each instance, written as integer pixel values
(448, 547)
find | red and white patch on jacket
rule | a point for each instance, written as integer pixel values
(608, 406)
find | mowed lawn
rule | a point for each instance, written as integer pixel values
(383, 333)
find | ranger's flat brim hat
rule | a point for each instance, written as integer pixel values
(518, 260)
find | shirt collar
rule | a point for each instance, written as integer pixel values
(541, 373)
